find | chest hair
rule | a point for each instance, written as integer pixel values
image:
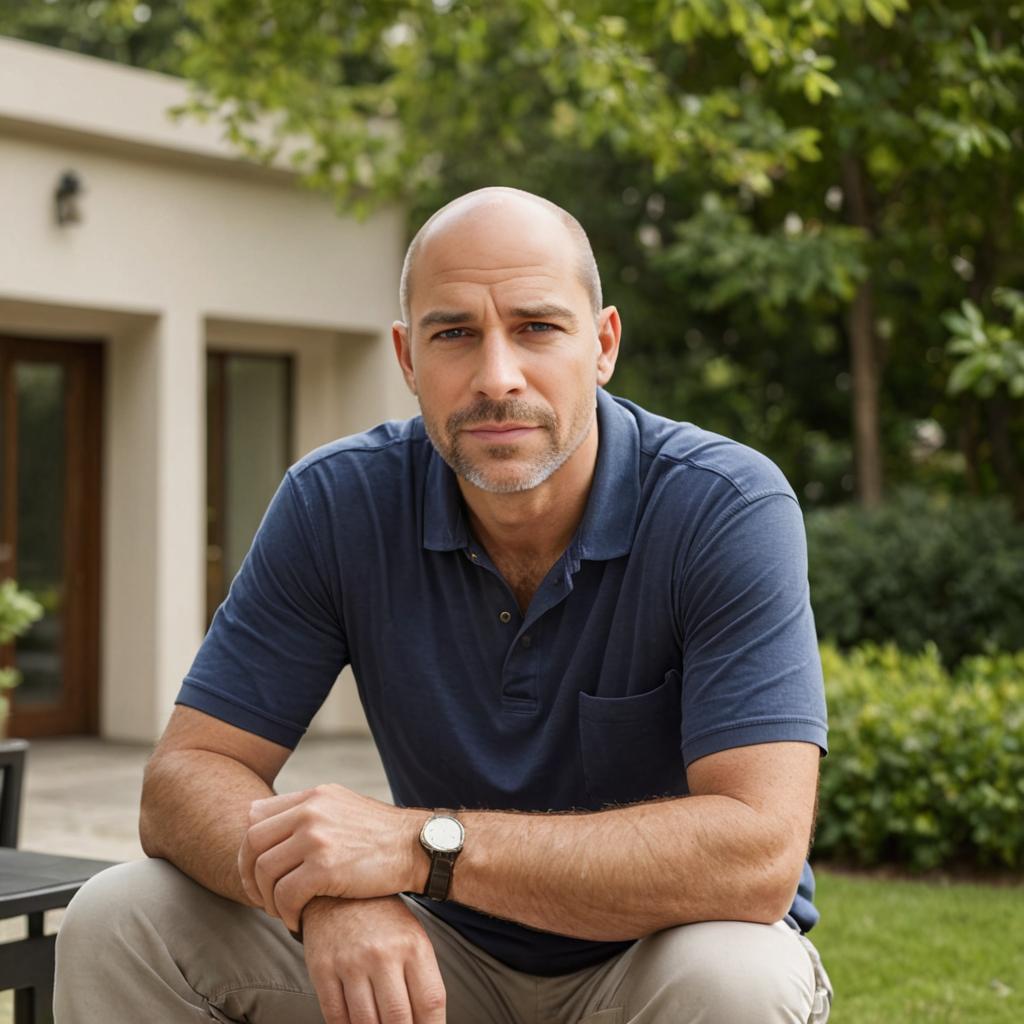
(524, 576)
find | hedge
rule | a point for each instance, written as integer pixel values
(926, 768)
(920, 567)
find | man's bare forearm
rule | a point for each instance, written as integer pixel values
(195, 812)
(627, 872)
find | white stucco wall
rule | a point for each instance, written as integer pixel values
(181, 247)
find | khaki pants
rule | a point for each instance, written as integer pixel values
(143, 942)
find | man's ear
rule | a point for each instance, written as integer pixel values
(403, 351)
(609, 333)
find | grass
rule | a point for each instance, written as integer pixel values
(921, 952)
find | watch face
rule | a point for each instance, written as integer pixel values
(443, 834)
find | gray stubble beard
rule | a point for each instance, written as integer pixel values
(544, 465)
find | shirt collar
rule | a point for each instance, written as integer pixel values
(609, 520)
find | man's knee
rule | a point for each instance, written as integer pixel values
(726, 971)
(118, 906)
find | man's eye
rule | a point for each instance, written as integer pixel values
(538, 327)
(451, 334)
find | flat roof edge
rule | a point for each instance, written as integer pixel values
(53, 90)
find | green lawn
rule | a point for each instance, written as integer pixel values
(907, 952)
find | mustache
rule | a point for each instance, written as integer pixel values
(487, 410)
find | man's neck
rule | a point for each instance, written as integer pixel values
(538, 523)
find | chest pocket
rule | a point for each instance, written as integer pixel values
(631, 745)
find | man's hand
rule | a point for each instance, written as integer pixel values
(327, 841)
(371, 963)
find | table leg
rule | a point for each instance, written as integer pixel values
(35, 1005)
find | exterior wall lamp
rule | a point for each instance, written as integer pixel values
(66, 198)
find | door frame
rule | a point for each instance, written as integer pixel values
(80, 639)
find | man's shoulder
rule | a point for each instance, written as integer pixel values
(388, 444)
(701, 460)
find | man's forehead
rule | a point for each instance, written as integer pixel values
(504, 289)
(507, 247)
(497, 240)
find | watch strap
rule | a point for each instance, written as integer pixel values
(440, 878)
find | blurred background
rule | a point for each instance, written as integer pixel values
(809, 212)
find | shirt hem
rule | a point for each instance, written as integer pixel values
(749, 734)
(202, 698)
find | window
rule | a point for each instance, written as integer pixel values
(248, 449)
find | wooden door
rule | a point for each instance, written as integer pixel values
(50, 407)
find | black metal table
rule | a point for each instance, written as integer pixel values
(31, 883)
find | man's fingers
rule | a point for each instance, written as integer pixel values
(259, 810)
(426, 989)
(294, 891)
(272, 830)
(268, 870)
(359, 1001)
(392, 997)
(258, 840)
(331, 998)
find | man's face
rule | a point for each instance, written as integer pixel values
(503, 350)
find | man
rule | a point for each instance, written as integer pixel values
(553, 602)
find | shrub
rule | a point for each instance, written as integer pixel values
(925, 767)
(919, 567)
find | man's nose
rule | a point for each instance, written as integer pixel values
(498, 370)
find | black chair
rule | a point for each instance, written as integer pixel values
(31, 884)
(12, 778)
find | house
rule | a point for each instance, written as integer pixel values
(176, 326)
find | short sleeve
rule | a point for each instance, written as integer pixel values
(277, 644)
(751, 667)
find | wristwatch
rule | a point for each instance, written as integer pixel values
(442, 837)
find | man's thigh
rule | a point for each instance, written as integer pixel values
(715, 972)
(143, 941)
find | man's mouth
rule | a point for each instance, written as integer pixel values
(500, 433)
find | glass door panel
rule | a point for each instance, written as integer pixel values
(248, 449)
(40, 395)
(49, 528)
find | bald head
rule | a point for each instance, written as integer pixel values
(498, 203)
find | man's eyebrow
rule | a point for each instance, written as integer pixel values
(542, 311)
(545, 311)
(445, 316)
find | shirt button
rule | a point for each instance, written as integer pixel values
(505, 616)
(526, 641)
(474, 556)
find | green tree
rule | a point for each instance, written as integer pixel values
(838, 165)
(126, 31)
(917, 199)
(410, 99)
(991, 367)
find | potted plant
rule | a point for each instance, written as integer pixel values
(18, 610)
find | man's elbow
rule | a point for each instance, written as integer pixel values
(771, 894)
(148, 836)
(149, 816)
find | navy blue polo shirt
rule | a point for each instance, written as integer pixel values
(676, 624)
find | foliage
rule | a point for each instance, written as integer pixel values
(509, 73)
(746, 168)
(991, 353)
(18, 610)
(921, 952)
(122, 30)
(924, 765)
(917, 569)
(783, 157)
